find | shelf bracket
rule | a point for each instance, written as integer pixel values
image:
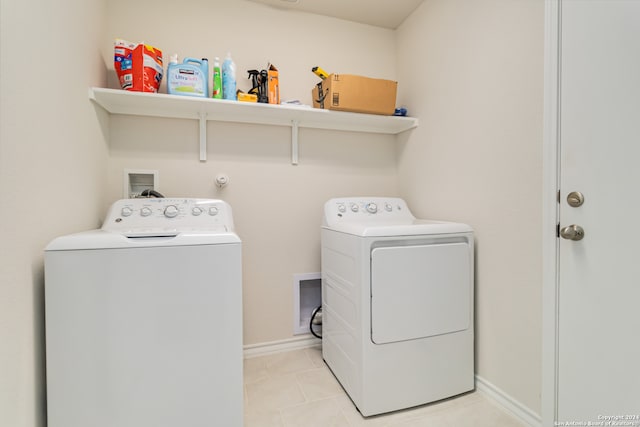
(203, 136)
(294, 142)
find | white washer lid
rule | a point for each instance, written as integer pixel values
(100, 239)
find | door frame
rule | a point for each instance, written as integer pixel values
(551, 211)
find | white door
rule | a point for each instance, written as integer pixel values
(599, 276)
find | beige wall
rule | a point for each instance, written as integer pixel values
(52, 173)
(277, 206)
(255, 35)
(476, 83)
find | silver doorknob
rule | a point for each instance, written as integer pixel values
(572, 232)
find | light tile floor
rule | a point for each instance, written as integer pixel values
(297, 389)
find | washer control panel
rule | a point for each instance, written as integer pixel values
(368, 209)
(168, 217)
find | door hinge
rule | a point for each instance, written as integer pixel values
(558, 197)
(558, 230)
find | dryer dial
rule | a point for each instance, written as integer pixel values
(145, 211)
(372, 208)
(354, 207)
(126, 211)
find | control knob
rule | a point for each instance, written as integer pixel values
(213, 211)
(388, 207)
(171, 211)
(126, 211)
(372, 208)
(342, 208)
(145, 211)
(196, 211)
(354, 207)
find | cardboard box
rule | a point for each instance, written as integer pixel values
(273, 87)
(346, 92)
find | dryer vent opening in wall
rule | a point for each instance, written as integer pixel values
(138, 180)
(307, 297)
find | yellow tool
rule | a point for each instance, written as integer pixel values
(320, 72)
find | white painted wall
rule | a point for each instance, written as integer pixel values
(52, 173)
(472, 71)
(277, 206)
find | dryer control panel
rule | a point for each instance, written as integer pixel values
(168, 217)
(381, 209)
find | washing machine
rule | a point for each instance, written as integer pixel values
(144, 318)
(397, 304)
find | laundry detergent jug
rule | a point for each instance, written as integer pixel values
(189, 78)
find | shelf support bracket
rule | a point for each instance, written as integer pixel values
(294, 142)
(203, 136)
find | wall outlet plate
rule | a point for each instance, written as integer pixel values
(307, 295)
(138, 180)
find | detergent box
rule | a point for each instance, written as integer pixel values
(138, 66)
(273, 85)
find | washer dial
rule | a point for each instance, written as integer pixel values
(171, 211)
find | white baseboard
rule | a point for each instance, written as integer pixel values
(263, 349)
(508, 403)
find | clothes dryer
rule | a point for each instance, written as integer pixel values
(397, 302)
(144, 318)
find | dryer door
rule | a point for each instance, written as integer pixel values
(420, 291)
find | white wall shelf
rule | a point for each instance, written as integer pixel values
(117, 101)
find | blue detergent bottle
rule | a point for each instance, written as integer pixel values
(191, 78)
(229, 78)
